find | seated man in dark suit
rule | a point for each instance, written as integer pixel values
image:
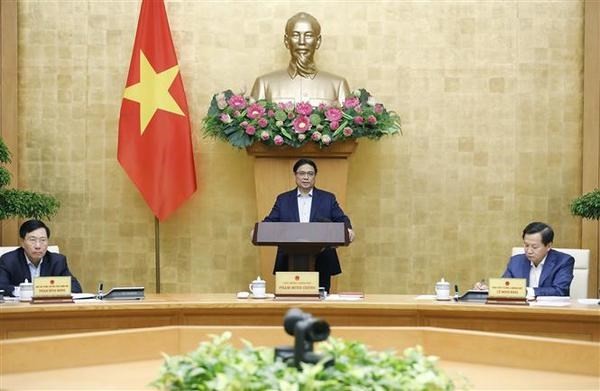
(33, 259)
(308, 204)
(548, 272)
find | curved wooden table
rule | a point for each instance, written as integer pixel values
(130, 359)
(577, 321)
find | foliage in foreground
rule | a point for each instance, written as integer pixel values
(216, 365)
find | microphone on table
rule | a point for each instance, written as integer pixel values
(100, 292)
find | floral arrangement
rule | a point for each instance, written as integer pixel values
(241, 120)
(217, 365)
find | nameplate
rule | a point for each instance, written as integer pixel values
(298, 284)
(52, 286)
(52, 290)
(507, 291)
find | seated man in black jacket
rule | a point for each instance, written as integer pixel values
(33, 259)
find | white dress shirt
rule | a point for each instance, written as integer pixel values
(34, 270)
(304, 205)
(534, 276)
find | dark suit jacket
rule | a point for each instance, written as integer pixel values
(556, 277)
(14, 270)
(324, 208)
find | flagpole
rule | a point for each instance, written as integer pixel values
(157, 253)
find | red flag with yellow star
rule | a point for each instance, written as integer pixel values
(155, 145)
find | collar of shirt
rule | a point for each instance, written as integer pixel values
(31, 264)
(539, 264)
(300, 194)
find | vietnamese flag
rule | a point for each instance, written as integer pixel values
(155, 145)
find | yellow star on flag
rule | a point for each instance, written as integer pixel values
(152, 92)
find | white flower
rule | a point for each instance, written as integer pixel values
(371, 101)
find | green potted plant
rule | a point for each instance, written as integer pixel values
(587, 205)
(22, 203)
(216, 365)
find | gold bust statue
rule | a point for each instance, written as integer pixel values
(301, 81)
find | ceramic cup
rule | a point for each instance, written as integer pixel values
(442, 290)
(25, 291)
(258, 288)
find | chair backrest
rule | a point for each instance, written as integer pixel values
(579, 285)
(5, 249)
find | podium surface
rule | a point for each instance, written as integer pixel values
(301, 241)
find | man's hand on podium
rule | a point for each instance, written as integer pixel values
(351, 235)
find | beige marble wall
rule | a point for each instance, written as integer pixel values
(490, 95)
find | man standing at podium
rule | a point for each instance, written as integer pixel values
(309, 204)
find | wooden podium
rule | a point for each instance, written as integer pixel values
(273, 175)
(301, 241)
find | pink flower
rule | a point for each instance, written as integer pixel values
(289, 106)
(264, 135)
(378, 108)
(322, 106)
(262, 122)
(334, 125)
(237, 114)
(291, 115)
(301, 137)
(255, 111)
(221, 103)
(351, 102)
(237, 102)
(347, 131)
(372, 120)
(358, 109)
(316, 136)
(243, 124)
(250, 130)
(304, 108)
(359, 120)
(270, 113)
(333, 114)
(225, 118)
(301, 124)
(326, 139)
(278, 140)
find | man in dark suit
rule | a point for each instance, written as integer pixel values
(309, 204)
(548, 272)
(33, 259)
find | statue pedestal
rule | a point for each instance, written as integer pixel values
(273, 175)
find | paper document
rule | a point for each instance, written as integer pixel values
(549, 303)
(588, 301)
(554, 298)
(343, 298)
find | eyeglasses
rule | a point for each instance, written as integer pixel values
(305, 173)
(32, 240)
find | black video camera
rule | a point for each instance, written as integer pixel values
(306, 330)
